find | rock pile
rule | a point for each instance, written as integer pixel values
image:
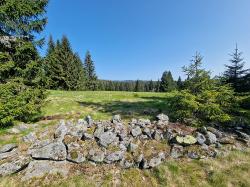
(140, 143)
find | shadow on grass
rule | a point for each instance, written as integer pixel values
(150, 107)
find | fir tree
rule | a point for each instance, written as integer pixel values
(179, 83)
(89, 68)
(235, 72)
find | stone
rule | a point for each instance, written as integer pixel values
(143, 122)
(22, 127)
(242, 135)
(107, 138)
(61, 130)
(157, 135)
(203, 130)
(7, 148)
(75, 153)
(114, 157)
(53, 151)
(126, 164)
(193, 155)
(168, 135)
(155, 161)
(136, 131)
(226, 140)
(14, 166)
(210, 138)
(98, 131)
(122, 147)
(201, 139)
(89, 121)
(147, 132)
(132, 147)
(185, 140)
(39, 168)
(217, 133)
(8, 155)
(77, 130)
(96, 155)
(176, 151)
(116, 119)
(162, 117)
(87, 136)
(30, 138)
(13, 131)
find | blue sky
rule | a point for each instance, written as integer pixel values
(139, 39)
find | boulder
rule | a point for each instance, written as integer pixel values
(13, 131)
(116, 119)
(162, 117)
(107, 138)
(201, 139)
(210, 138)
(114, 157)
(7, 148)
(96, 155)
(53, 151)
(217, 133)
(176, 151)
(168, 135)
(193, 155)
(143, 122)
(136, 131)
(87, 136)
(155, 161)
(10, 154)
(14, 166)
(126, 164)
(147, 132)
(243, 135)
(157, 135)
(77, 130)
(132, 147)
(185, 140)
(98, 131)
(226, 140)
(39, 168)
(30, 138)
(75, 153)
(89, 121)
(61, 130)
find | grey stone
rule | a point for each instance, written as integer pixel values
(96, 155)
(155, 161)
(77, 130)
(176, 151)
(143, 122)
(201, 139)
(136, 131)
(61, 130)
(193, 155)
(185, 140)
(22, 127)
(39, 168)
(98, 131)
(10, 154)
(217, 133)
(122, 147)
(13, 131)
(14, 166)
(162, 117)
(53, 151)
(116, 119)
(210, 138)
(30, 138)
(126, 164)
(75, 153)
(7, 148)
(132, 147)
(87, 136)
(168, 135)
(147, 132)
(242, 135)
(157, 135)
(114, 157)
(107, 138)
(89, 121)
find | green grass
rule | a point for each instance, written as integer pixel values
(104, 104)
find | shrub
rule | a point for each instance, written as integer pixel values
(19, 102)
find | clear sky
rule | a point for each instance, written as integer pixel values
(139, 39)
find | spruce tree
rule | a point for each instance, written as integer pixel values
(21, 68)
(89, 68)
(179, 83)
(167, 82)
(235, 72)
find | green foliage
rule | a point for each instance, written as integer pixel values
(167, 82)
(89, 68)
(63, 67)
(204, 100)
(21, 69)
(19, 102)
